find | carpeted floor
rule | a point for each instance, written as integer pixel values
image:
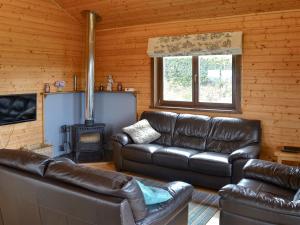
(202, 207)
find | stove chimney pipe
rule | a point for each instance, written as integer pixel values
(91, 18)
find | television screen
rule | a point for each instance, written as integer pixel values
(17, 108)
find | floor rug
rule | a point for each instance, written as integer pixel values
(202, 207)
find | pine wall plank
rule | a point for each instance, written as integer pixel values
(270, 73)
(39, 43)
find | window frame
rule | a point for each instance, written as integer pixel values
(157, 89)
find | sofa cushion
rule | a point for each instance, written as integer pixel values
(282, 175)
(211, 163)
(141, 132)
(229, 134)
(173, 157)
(140, 152)
(162, 122)
(191, 131)
(267, 188)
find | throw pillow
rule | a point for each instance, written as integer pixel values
(154, 195)
(142, 132)
(297, 196)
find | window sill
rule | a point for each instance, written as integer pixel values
(233, 111)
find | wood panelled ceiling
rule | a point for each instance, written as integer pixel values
(120, 13)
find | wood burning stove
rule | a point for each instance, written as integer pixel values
(88, 139)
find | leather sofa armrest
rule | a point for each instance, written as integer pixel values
(177, 188)
(248, 152)
(181, 195)
(263, 201)
(278, 174)
(118, 141)
(122, 139)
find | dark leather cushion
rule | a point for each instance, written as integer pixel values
(191, 131)
(275, 173)
(24, 160)
(173, 157)
(102, 182)
(267, 203)
(270, 189)
(140, 152)
(229, 134)
(164, 123)
(181, 194)
(211, 163)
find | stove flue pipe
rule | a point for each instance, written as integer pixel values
(91, 19)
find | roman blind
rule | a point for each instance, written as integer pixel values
(196, 44)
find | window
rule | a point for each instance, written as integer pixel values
(208, 82)
(178, 78)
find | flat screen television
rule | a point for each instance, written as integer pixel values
(17, 108)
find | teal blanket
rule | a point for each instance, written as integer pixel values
(154, 195)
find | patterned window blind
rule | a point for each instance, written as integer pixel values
(229, 43)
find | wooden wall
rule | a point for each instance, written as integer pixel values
(39, 43)
(270, 76)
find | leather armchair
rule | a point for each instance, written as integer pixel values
(266, 195)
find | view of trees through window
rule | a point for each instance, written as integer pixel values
(178, 78)
(215, 78)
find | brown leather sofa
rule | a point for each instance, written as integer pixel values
(36, 190)
(267, 195)
(201, 150)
